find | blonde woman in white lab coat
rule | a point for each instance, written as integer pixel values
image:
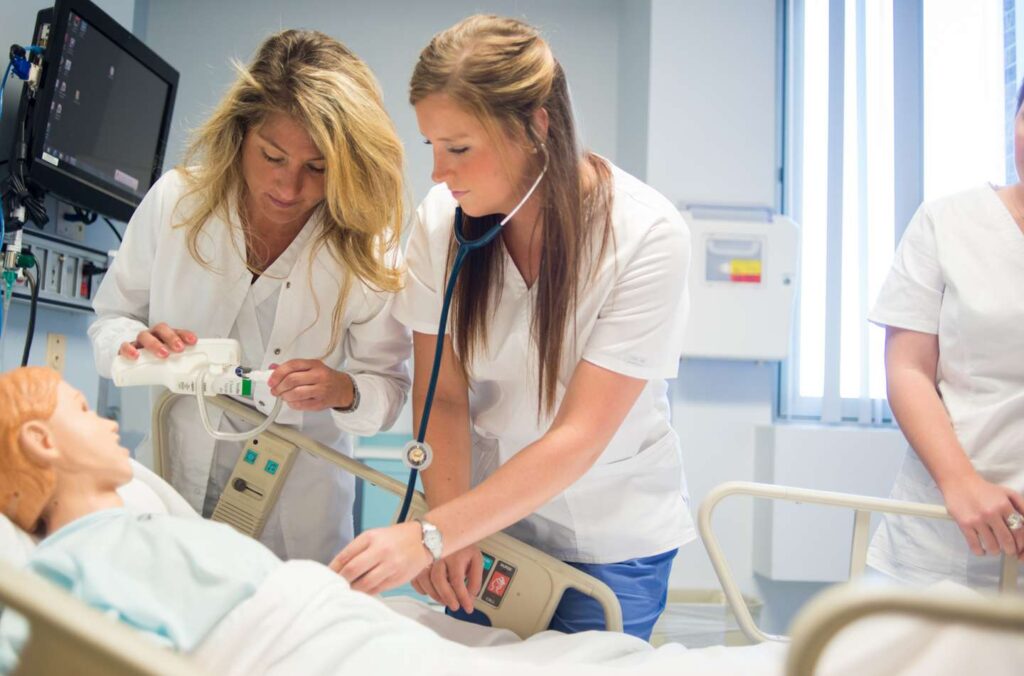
(280, 231)
(551, 419)
(953, 308)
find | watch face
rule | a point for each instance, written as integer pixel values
(432, 539)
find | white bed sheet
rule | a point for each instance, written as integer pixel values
(304, 619)
(307, 620)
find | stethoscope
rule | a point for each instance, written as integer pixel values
(417, 454)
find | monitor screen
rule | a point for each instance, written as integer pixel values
(106, 112)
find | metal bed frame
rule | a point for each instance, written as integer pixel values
(863, 507)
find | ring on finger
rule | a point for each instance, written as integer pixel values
(1015, 521)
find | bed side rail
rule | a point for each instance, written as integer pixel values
(69, 637)
(833, 610)
(862, 506)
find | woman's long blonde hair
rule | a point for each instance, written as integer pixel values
(502, 72)
(318, 82)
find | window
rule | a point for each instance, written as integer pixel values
(867, 141)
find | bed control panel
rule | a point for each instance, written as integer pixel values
(255, 483)
(497, 580)
(522, 586)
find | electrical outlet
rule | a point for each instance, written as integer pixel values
(51, 278)
(56, 349)
(69, 230)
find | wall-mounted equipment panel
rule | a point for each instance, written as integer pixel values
(68, 275)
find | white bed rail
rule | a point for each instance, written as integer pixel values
(833, 610)
(68, 637)
(862, 506)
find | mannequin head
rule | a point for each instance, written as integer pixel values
(54, 451)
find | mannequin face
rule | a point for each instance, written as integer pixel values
(79, 445)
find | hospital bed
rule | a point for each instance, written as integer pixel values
(535, 580)
(65, 632)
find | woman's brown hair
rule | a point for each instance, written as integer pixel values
(502, 72)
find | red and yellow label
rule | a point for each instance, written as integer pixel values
(745, 270)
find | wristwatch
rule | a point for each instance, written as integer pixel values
(431, 538)
(355, 397)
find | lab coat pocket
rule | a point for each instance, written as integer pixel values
(631, 507)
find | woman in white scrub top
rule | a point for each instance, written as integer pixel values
(953, 308)
(551, 419)
(281, 232)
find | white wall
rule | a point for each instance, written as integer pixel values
(198, 38)
(713, 101)
(712, 108)
(17, 20)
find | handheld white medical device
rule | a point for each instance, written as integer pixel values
(522, 585)
(206, 369)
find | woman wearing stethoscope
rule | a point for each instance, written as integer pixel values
(551, 418)
(276, 235)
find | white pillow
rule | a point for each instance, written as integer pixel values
(146, 493)
(147, 486)
(15, 544)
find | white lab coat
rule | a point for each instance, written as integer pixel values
(958, 274)
(632, 503)
(154, 279)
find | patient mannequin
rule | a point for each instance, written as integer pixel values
(44, 487)
(62, 466)
(173, 577)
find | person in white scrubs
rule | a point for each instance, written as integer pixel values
(280, 231)
(552, 418)
(953, 309)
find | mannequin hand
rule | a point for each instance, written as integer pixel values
(445, 581)
(980, 509)
(310, 385)
(161, 340)
(383, 558)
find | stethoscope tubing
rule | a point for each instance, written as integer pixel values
(466, 246)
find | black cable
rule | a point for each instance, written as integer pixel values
(90, 269)
(116, 233)
(86, 217)
(17, 190)
(31, 314)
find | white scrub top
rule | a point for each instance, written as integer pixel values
(630, 319)
(154, 279)
(959, 274)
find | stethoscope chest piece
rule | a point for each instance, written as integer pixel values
(417, 455)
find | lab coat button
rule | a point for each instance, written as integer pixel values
(277, 350)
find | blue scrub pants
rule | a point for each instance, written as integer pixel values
(641, 586)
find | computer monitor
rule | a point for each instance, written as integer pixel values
(98, 124)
